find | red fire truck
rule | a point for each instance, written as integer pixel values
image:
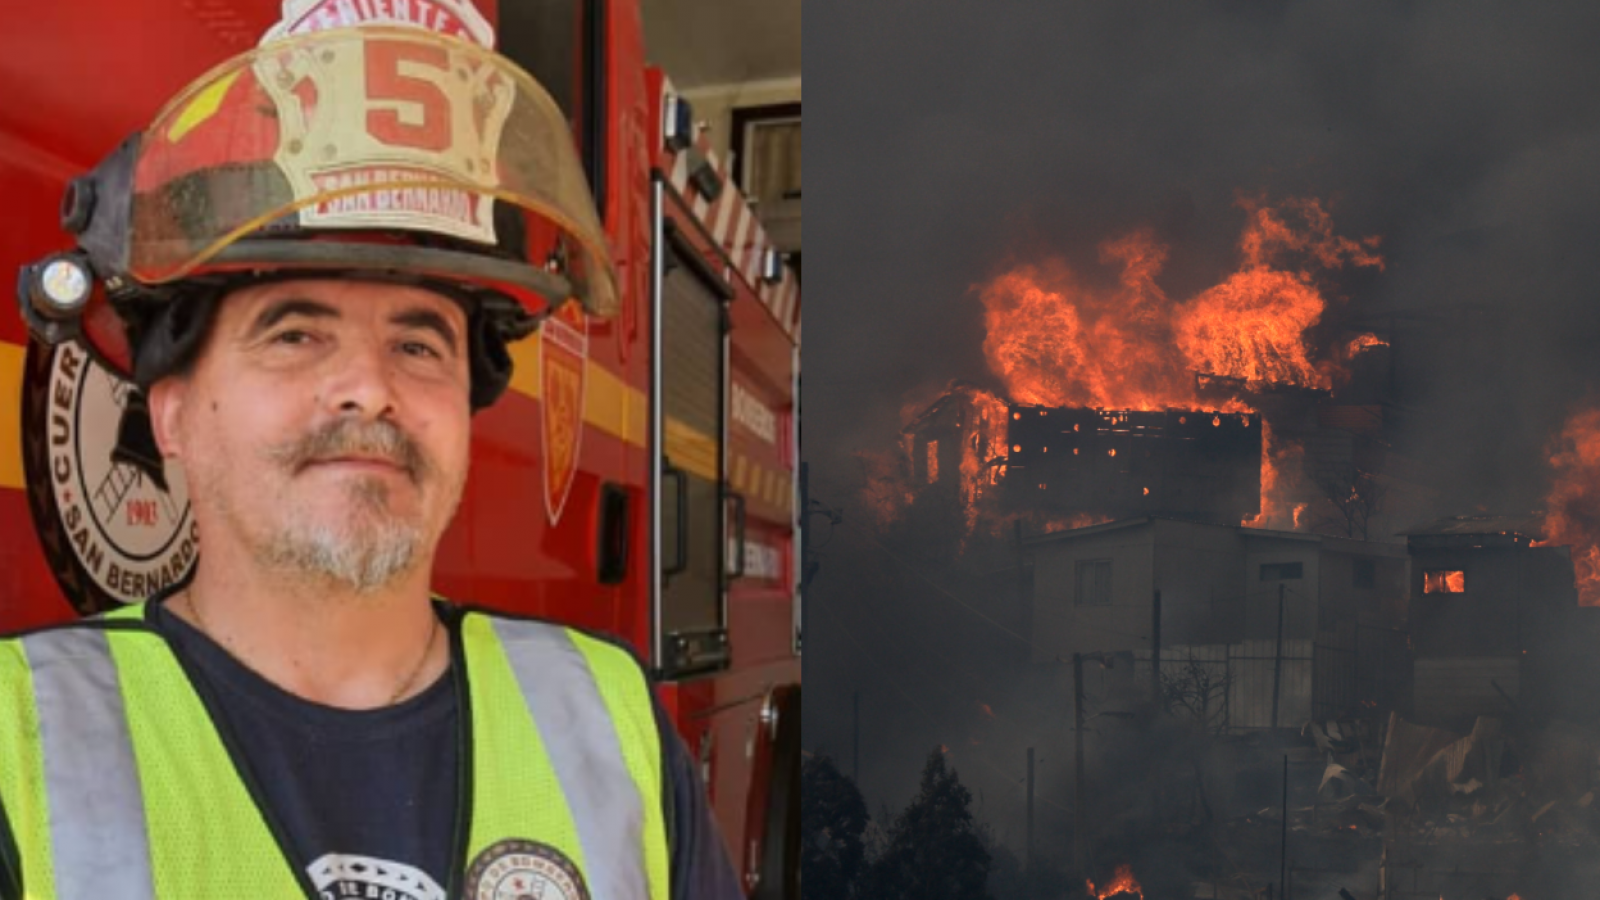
(637, 478)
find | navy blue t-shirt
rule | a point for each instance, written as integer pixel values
(365, 800)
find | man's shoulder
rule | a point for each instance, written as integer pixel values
(14, 645)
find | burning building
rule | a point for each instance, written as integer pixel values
(1187, 464)
(1057, 462)
(1496, 624)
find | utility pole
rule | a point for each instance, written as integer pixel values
(1277, 666)
(1283, 846)
(1028, 857)
(809, 564)
(1155, 649)
(1079, 798)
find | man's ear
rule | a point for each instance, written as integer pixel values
(166, 401)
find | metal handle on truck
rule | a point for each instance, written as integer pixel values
(739, 532)
(680, 550)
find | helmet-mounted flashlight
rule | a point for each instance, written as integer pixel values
(54, 292)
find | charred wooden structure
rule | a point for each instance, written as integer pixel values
(1180, 463)
(1496, 625)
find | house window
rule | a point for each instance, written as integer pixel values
(1444, 581)
(1282, 571)
(1094, 582)
(1364, 574)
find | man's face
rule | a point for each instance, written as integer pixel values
(325, 428)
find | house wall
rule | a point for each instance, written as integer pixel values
(1202, 591)
(1518, 625)
(1486, 620)
(1300, 596)
(1061, 626)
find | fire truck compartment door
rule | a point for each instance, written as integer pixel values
(693, 610)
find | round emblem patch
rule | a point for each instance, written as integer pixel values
(113, 516)
(524, 870)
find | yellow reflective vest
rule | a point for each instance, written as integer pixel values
(116, 783)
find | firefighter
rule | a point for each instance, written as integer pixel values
(311, 264)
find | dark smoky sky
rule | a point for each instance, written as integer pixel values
(950, 138)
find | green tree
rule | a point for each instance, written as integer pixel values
(935, 849)
(832, 818)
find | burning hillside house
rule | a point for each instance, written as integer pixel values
(1239, 404)
(1186, 506)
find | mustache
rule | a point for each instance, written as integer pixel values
(348, 437)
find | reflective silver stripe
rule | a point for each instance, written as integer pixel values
(99, 845)
(584, 752)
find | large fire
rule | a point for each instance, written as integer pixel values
(1122, 883)
(1573, 506)
(1056, 341)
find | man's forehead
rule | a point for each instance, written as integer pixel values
(344, 298)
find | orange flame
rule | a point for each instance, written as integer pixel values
(1055, 341)
(1122, 882)
(1573, 518)
(1281, 477)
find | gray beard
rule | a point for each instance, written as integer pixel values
(366, 555)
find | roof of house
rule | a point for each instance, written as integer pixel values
(1527, 525)
(1335, 543)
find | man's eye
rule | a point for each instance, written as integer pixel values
(420, 349)
(292, 337)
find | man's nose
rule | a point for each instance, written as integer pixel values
(361, 381)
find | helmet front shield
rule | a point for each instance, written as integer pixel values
(340, 134)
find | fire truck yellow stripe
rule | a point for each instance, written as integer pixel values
(690, 450)
(615, 407)
(609, 404)
(11, 360)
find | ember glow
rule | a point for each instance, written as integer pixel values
(1573, 505)
(886, 493)
(1444, 581)
(1363, 342)
(1122, 883)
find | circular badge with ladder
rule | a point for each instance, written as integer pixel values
(524, 870)
(112, 516)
